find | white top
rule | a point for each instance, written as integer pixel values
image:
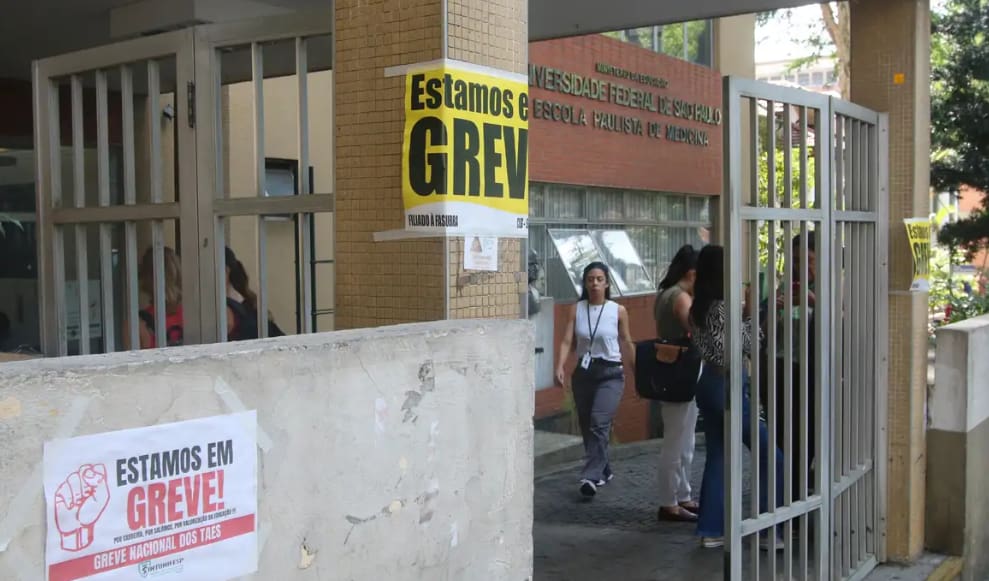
(602, 322)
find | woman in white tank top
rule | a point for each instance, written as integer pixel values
(598, 332)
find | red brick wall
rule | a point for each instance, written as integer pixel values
(631, 423)
(585, 155)
(970, 200)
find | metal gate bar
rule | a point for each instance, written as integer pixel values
(304, 242)
(94, 211)
(105, 233)
(79, 200)
(860, 216)
(139, 65)
(847, 211)
(130, 199)
(296, 29)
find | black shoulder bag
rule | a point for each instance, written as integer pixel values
(667, 370)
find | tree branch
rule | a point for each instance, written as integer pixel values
(840, 33)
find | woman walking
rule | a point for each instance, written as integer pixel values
(708, 314)
(598, 330)
(679, 417)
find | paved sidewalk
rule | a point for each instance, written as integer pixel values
(616, 535)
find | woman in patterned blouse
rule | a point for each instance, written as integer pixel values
(707, 315)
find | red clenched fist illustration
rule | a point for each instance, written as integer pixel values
(79, 503)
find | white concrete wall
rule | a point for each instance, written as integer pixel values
(957, 494)
(422, 435)
(959, 401)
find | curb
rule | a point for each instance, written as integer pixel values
(949, 570)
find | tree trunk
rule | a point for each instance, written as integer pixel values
(836, 21)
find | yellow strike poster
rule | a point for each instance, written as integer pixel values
(465, 153)
(919, 234)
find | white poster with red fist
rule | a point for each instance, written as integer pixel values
(173, 501)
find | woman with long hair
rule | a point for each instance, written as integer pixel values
(708, 315)
(172, 288)
(242, 303)
(598, 331)
(672, 312)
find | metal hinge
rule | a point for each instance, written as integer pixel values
(191, 106)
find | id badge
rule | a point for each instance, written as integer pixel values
(585, 361)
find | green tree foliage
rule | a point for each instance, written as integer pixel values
(669, 39)
(779, 190)
(828, 38)
(953, 297)
(960, 113)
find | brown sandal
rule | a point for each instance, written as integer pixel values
(679, 514)
(691, 506)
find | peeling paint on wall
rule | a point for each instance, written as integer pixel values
(380, 415)
(306, 555)
(344, 479)
(10, 407)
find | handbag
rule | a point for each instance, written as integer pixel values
(667, 370)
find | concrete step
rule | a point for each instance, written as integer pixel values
(552, 449)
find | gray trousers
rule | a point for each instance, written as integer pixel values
(597, 391)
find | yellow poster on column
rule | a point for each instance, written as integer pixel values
(919, 234)
(465, 153)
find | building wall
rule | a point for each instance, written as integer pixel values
(581, 152)
(890, 64)
(957, 504)
(577, 154)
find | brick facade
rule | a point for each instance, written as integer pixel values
(571, 153)
(379, 283)
(567, 153)
(382, 283)
(492, 33)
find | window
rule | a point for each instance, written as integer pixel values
(818, 79)
(578, 248)
(803, 79)
(19, 330)
(690, 41)
(635, 232)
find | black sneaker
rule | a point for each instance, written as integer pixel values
(588, 488)
(607, 478)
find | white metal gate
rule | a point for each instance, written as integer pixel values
(136, 148)
(804, 223)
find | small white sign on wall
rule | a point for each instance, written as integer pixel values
(176, 500)
(481, 253)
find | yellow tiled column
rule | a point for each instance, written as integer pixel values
(493, 33)
(891, 73)
(381, 283)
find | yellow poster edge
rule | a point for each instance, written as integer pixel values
(398, 235)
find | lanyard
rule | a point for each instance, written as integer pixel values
(594, 332)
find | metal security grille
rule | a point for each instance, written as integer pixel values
(860, 225)
(804, 227)
(132, 194)
(251, 52)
